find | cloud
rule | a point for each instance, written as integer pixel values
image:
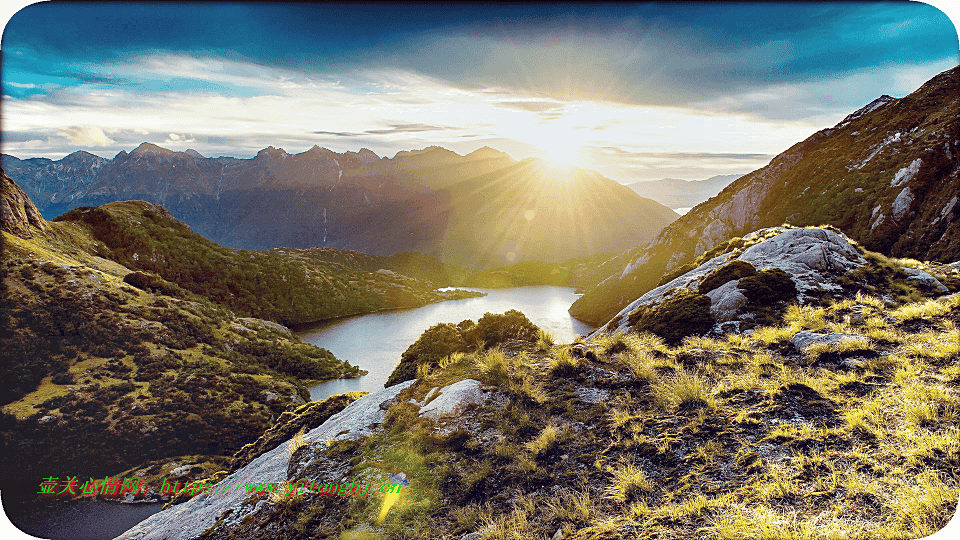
(686, 156)
(176, 139)
(405, 128)
(535, 106)
(86, 136)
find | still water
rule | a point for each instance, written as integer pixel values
(375, 341)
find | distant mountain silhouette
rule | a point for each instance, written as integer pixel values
(482, 210)
(675, 193)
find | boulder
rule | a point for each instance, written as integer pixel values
(802, 340)
(925, 280)
(453, 398)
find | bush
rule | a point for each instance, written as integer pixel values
(152, 283)
(493, 329)
(768, 287)
(437, 342)
(682, 314)
(443, 339)
(734, 269)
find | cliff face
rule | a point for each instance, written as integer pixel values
(18, 215)
(887, 176)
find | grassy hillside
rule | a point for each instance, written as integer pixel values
(102, 376)
(744, 436)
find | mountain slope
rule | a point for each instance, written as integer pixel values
(887, 176)
(105, 368)
(358, 201)
(276, 285)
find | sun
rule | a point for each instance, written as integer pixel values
(561, 150)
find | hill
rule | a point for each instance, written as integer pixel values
(887, 176)
(106, 368)
(480, 210)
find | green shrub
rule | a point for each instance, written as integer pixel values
(734, 269)
(443, 339)
(153, 283)
(768, 287)
(493, 329)
(433, 345)
(682, 314)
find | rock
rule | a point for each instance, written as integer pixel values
(558, 535)
(476, 535)
(726, 300)
(192, 518)
(18, 215)
(47, 419)
(247, 321)
(902, 203)
(592, 395)
(802, 340)
(925, 280)
(454, 397)
(906, 174)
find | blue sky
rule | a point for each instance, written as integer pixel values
(636, 91)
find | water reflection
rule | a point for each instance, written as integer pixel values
(375, 342)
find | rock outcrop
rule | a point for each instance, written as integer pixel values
(192, 518)
(18, 215)
(811, 257)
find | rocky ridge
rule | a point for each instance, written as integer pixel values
(887, 176)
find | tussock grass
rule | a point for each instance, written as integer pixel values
(572, 505)
(808, 318)
(629, 482)
(563, 363)
(683, 390)
(927, 310)
(543, 442)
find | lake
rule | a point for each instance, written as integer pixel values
(375, 341)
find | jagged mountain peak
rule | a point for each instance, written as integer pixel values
(193, 153)
(271, 152)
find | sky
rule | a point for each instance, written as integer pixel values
(635, 91)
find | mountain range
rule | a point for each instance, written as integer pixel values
(886, 175)
(676, 193)
(481, 210)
